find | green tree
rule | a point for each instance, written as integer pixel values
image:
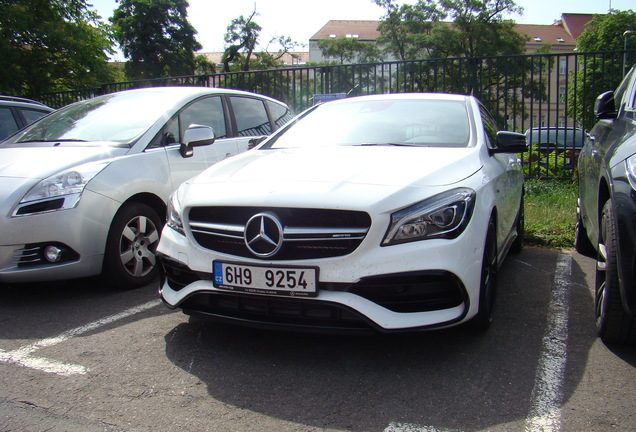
(203, 65)
(241, 36)
(450, 28)
(603, 33)
(348, 50)
(156, 37)
(474, 39)
(52, 45)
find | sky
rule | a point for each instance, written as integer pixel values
(301, 19)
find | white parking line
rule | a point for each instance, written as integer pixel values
(22, 356)
(547, 394)
(405, 427)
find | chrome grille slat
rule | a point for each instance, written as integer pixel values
(306, 233)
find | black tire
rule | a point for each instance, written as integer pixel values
(613, 323)
(488, 285)
(582, 243)
(130, 260)
(517, 245)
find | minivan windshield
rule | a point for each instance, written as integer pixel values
(117, 119)
(368, 122)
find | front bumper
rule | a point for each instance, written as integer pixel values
(80, 232)
(406, 287)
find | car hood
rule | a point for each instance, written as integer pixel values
(330, 175)
(42, 162)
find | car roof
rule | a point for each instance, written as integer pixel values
(407, 96)
(187, 92)
(22, 102)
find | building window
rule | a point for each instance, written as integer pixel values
(562, 94)
(563, 66)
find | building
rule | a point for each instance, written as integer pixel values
(561, 35)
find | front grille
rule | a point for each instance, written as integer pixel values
(413, 292)
(276, 311)
(179, 275)
(306, 233)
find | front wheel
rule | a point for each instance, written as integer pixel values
(613, 323)
(130, 260)
(517, 245)
(488, 286)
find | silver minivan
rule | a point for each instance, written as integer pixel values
(84, 190)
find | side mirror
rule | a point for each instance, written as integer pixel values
(605, 106)
(196, 136)
(510, 142)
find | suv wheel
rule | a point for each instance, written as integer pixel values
(614, 324)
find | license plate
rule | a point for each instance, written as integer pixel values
(289, 281)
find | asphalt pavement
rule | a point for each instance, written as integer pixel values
(81, 356)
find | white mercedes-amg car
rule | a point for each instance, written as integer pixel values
(376, 213)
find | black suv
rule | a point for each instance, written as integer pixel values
(606, 213)
(16, 113)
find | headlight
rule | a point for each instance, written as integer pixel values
(71, 181)
(60, 191)
(631, 170)
(441, 216)
(173, 218)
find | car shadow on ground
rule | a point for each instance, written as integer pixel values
(45, 309)
(450, 379)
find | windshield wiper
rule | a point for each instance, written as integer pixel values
(370, 144)
(53, 141)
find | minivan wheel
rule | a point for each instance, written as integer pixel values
(130, 260)
(613, 323)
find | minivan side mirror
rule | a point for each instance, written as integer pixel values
(605, 106)
(510, 142)
(196, 136)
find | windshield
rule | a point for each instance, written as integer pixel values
(118, 118)
(401, 122)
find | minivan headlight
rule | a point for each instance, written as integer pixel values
(441, 216)
(60, 191)
(68, 182)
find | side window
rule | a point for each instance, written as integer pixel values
(280, 114)
(207, 112)
(251, 116)
(490, 126)
(622, 89)
(8, 126)
(32, 115)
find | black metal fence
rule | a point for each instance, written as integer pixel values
(549, 96)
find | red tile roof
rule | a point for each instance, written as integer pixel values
(575, 23)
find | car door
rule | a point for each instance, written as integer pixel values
(251, 121)
(603, 139)
(505, 171)
(207, 111)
